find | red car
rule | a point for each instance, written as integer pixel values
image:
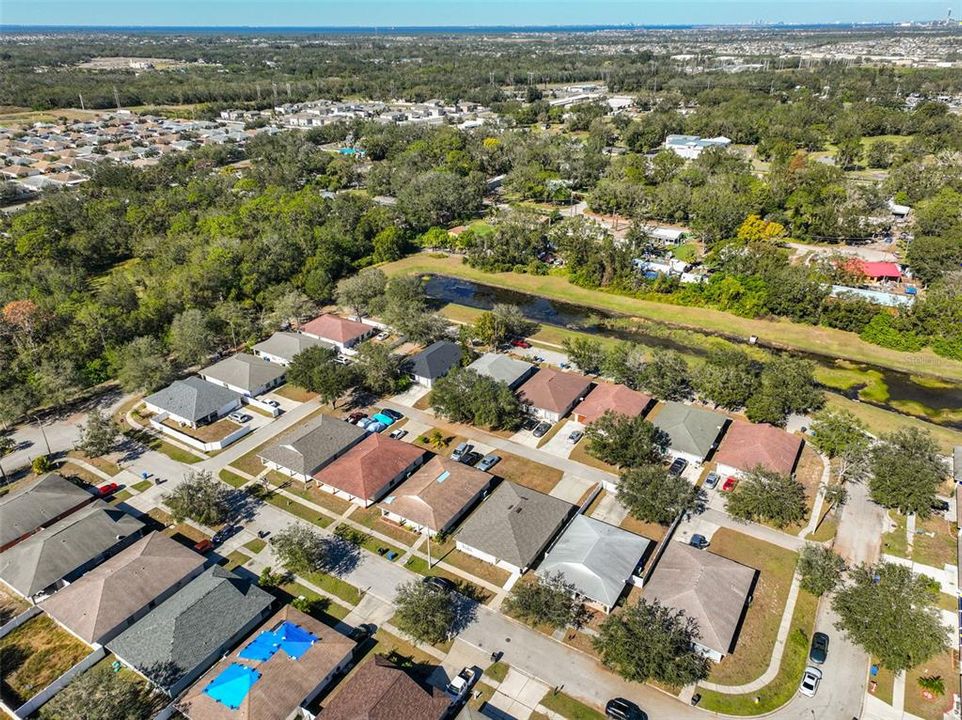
(204, 546)
(108, 489)
(729, 484)
(519, 343)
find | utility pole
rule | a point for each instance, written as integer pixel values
(116, 97)
(43, 433)
(82, 101)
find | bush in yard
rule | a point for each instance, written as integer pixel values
(768, 496)
(548, 600)
(821, 569)
(199, 497)
(268, 578)
(907, 469)
(41, 464)
(464, 396)
(424, 612)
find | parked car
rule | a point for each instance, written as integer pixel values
(460, 684)
(204, 546)
(542, 429)
(576, 436)
(471, 458)
(383, 335)
(940, 505)
(375, 426)
(273, 403)
(529, 423)
(677, 467)
(621, 709)
(393, 414)
(488, 462)
(398, 434)
(354, 417)
(537, 359)
(810, 680)
(239, 417)
(520, 343)
(225, 533)
(385, 419)
(439, 583)
(365, 421)
(461, 450)
(342, 360)
(729, 484)
(819, 652)
(712, 480)
(108, 489)
(698, 541)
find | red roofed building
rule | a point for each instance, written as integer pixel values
(366, 472)
(616, 398)
(747, 445)
(552, 394)
(345, 334)
(877, 271)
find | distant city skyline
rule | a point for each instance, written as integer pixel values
(426, 13)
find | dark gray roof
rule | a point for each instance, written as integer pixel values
(501, 368)
(288, 344)
(244, 371)
(436, 360)
(172, 640)
(192, 398)
(514, 523)
(42, 559)
(692, 430)
(305, 449)
(50, 496)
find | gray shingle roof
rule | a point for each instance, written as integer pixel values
(286, 345)
(436, 360)
(692, 430)
(514, 523)
(43, 559)
(172, 640)
(596, 557)
(49, 497)
(192, 398)
(244, 371)
(501, 368)
(305, 449)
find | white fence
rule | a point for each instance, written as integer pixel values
(157, 422)
(31, 706)
(19, 620)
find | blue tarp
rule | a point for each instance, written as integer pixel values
(232, 685)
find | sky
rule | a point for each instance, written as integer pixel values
(385, 13)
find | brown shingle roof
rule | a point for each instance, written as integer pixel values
(284, 682)
(616, 398)
(436, 493)
(553, 390)
(369, 466)
(338, 329)
(380, 690)
(109, 595)
(747, 445)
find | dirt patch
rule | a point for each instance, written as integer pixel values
(527, 472)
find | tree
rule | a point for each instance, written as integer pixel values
(647, 640)
(625, 441)
(500, 324)
(41, 464)
(879, 154)
(821, 569)
(891, 613)
(360, 292)
(907, 469)
(424, 612)
(382, 372)
(666, 375)
(142, 365)
(301, 549)
(586, 353)
(101, 694)
(405, 308)
(787, 385)
(199, 497)
(842, 437)
(546, 600)
(728, 378)
(316, 369)
(191, 338)
(768, 496)
(652, 495)
(98, 435)
(465, 396)
(754, 229)
(287, 309)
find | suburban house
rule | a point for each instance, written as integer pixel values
(693, 432)
(343, 334)
(366, 472)
(435, 361)
(713, 590)
(747, 446)
(599, 559)
(283, 666)
(691, 146)
(303, 451)
(435, 498)
(510, 371)
(46, 561)
(607, 397)
(380, 689)
(551, 394)
(245, 374)
(281, 347)
(513, 526)
(109, 598)
(183, 636)
(875, 271)
(193, 401)
(50, 498)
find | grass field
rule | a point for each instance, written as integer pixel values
(881, 421)
(916, 701)
(527, 472)
(232, 479)
(569, 708)
(34, 655)
(780, 333)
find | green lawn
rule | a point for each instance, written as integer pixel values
(895, 542)
(497, 671)
(236, 559)
(881, 421)
(255, 545)
(292, 506)
(142, 485)
(232, 479)
(368, 542)
(567, 707)
(34, 655)
(335, 586)
(325, 609)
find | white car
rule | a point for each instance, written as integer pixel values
(810, 681)
(239, 417)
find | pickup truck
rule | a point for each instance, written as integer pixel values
(461, 684)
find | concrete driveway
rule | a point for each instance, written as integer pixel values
(411, 395)
(559, 445)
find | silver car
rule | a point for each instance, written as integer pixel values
(810, 681)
